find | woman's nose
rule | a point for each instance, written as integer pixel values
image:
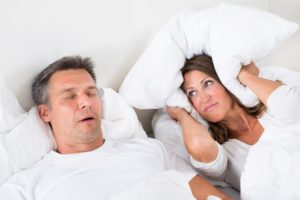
(204, 97)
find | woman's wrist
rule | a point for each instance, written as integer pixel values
(248, 72)
(182, 115)
(244, 77)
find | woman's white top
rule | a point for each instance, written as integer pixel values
(283, 107)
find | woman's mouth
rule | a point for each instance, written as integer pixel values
(210, 107)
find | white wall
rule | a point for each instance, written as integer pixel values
(114, 33)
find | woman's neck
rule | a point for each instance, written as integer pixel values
(242, 126)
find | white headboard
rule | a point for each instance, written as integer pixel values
(113, 33)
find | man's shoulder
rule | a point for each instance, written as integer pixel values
(140, 141)
(140, 144)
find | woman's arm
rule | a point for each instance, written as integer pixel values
(199, 143)
(201, 189)
(263, 88)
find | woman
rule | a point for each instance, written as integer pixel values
(235, 127)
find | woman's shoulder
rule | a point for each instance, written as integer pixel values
(236, 145)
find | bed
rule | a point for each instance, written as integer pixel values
(114, 34)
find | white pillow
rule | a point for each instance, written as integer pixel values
(25, 144)
(232, 34)
(179, 99)
(157, 72)
(11, 112)
(120, 121)
(24, 138)
(239, 35)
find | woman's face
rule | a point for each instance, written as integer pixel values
(207, 95)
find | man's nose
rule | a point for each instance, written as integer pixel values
(84, 101)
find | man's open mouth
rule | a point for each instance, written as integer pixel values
(87, 119)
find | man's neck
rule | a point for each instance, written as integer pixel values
(79, 147)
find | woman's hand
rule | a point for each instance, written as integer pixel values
(262, 88)
(248, 70)
(197, 139)
(176, 113)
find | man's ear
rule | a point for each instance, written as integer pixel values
(44, 112)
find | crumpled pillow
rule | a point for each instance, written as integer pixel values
(11, 112)
(24, 144)
(157, 73)
(231, 34)
(239, 35)
(120, 121)
(179, 99)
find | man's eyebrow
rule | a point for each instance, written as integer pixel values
(92, 87)
(67, 90)
(72, 89)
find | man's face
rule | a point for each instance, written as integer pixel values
(74, 109)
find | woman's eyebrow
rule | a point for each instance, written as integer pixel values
(204, 79)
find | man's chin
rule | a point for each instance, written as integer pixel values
(89, 132)
(89, 138)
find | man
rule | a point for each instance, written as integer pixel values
(84, 165)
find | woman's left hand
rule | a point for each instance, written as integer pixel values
(246, 70)
(262, 88)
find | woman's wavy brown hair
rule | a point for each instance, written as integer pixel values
(205, 64)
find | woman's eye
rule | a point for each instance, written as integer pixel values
(208, 83)
(192, 93)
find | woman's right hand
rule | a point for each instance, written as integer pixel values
(176, 113)
(198, 141)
